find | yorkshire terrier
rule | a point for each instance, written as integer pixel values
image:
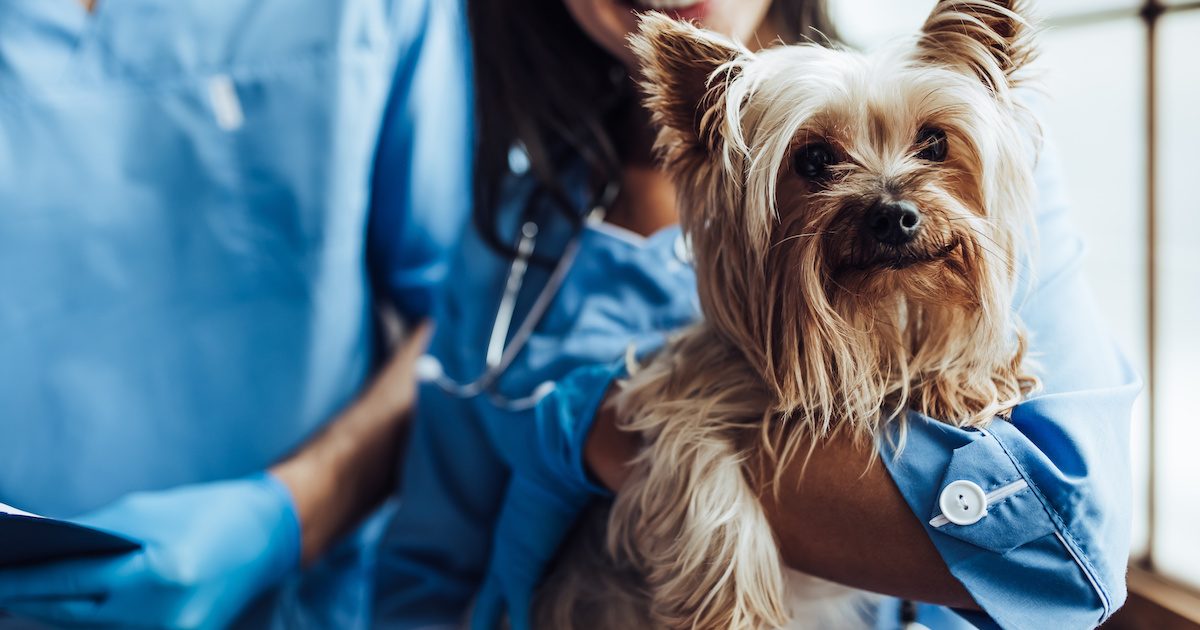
(857, 224)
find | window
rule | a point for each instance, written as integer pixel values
(1123, 78)
(1175, 549)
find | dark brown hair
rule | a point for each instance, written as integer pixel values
(542, 83)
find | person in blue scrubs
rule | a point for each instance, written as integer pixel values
(511, 440)
(202, 205)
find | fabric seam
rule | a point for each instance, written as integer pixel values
(1069, 543)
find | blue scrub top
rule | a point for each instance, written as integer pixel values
(1050, 551)
(622, 288)
(199, 202)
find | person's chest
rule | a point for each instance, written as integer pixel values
(222, 137)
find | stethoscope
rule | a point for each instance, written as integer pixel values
(501, 351)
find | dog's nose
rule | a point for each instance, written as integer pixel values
(893, 222)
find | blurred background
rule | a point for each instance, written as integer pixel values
(1123, 108)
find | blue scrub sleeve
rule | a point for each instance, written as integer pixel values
(420, 188)
(1052, 553)
(564, 419)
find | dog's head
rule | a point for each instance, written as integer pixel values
(855, 219)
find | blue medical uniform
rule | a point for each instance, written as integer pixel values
(1049, 551)
(621, 289)
(199, 203)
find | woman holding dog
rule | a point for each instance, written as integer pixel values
(574, 240)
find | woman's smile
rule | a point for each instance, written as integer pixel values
(610, 22)
(678, 9)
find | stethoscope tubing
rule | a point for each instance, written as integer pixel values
(500, 350)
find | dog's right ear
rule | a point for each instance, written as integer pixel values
(684, 76)
(992, 39)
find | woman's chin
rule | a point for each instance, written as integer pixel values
(610, 22)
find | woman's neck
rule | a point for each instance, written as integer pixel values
(647, 200)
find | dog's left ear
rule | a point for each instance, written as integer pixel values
(991, 39)
(680, 65)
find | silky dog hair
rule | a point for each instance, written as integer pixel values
(816, 318)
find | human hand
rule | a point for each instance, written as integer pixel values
(394, 388)
(207, 550)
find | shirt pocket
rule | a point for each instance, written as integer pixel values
(150, 42)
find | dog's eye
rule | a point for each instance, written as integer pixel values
(931, 144)
(813, 161)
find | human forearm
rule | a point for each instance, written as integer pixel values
(336, 479)
(349, 468)
(834, 521)
(843, 519)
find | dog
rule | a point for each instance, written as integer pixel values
(857, 224)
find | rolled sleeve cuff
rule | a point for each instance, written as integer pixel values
(565, 417)
(993, 528)
(286, 535)
(412, 290)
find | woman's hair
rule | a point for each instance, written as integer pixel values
(543, 84)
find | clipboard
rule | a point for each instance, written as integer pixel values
(27, 539)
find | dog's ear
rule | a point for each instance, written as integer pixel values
(684, 75)
(991, 39)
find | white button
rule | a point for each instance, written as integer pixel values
(963, 502)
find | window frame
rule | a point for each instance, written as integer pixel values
(1151, 593)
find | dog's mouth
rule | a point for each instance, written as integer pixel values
(896, 259)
